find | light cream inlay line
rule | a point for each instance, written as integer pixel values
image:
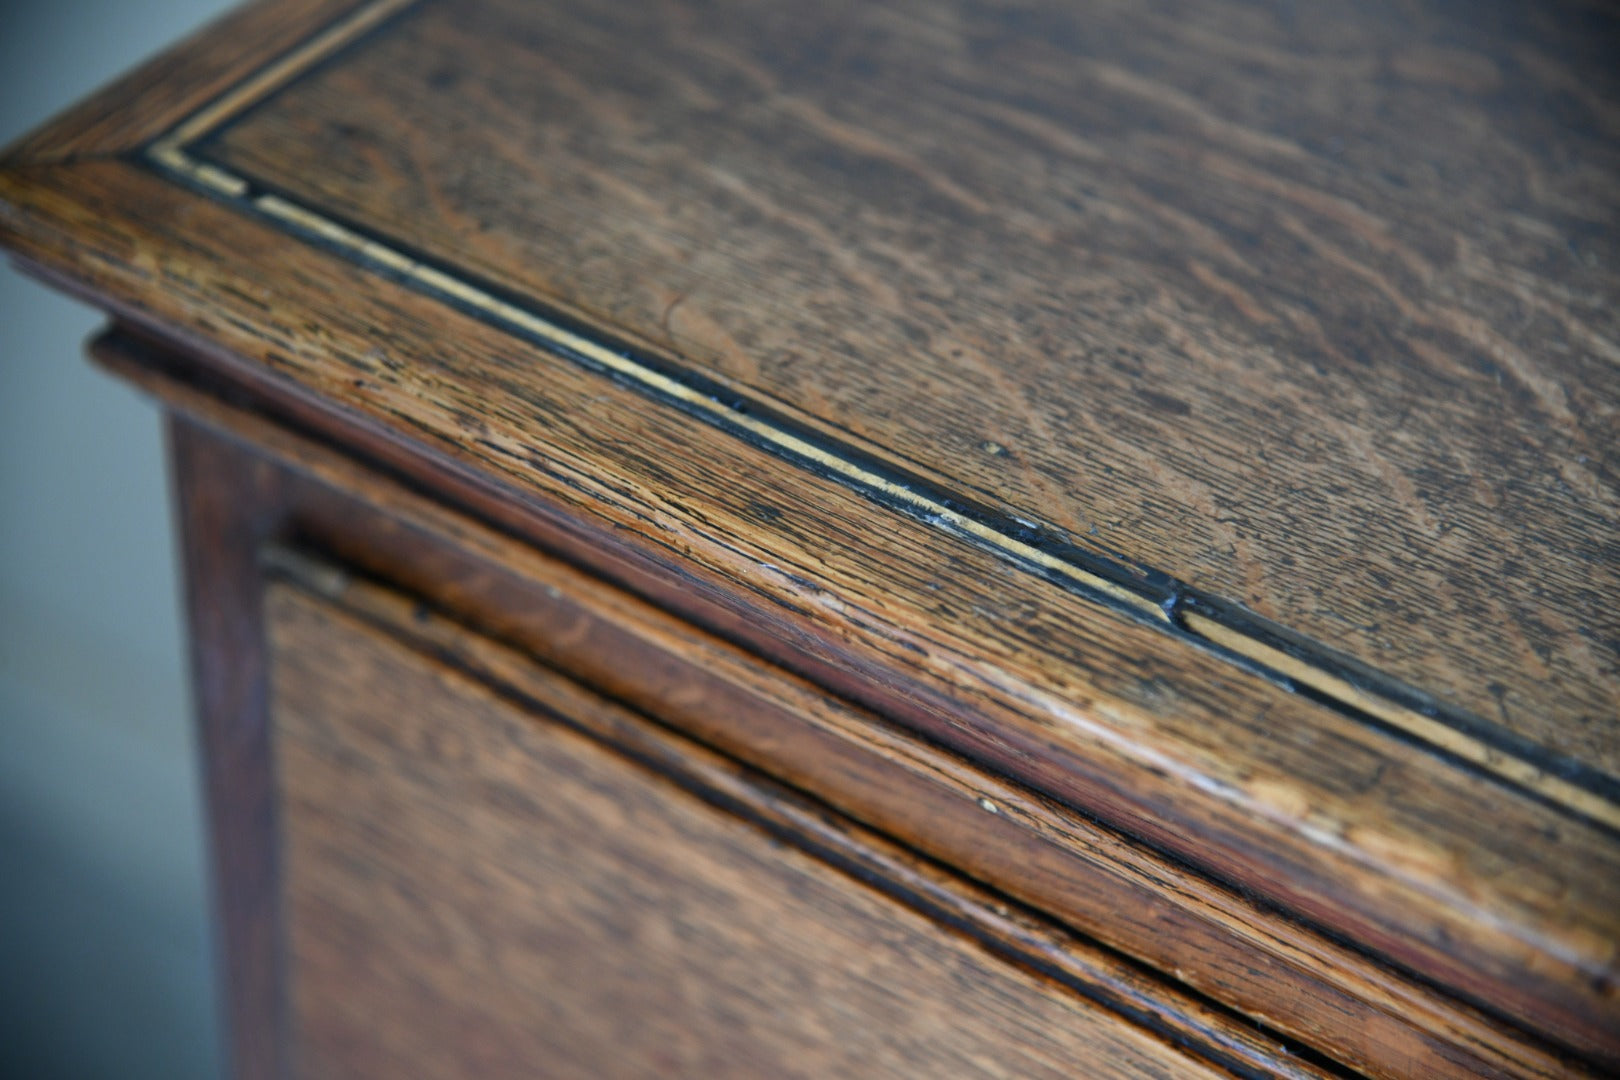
(170, 152)
(268, 79)
(511, 314)
(1430, 730)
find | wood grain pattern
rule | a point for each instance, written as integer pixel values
(1214, 939)
(1145, 732)
(1460, 281)
(1345, 354)
(475, 890)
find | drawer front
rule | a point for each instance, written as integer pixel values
(474, 886)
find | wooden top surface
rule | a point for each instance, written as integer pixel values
(1205, 412)
(1314, 313)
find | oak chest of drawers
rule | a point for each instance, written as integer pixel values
(886, 539)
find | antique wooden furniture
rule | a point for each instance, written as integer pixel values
(909, 538)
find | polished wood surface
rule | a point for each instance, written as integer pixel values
(1310, 307)
(1200, 416)
(474, 889)
(1215, 940)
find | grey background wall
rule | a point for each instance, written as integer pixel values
(104, 946)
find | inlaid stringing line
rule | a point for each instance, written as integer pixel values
(279, 73)
(170, 153)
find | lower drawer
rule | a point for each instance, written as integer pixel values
(480, 883)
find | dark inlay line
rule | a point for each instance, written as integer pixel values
(1255, 644)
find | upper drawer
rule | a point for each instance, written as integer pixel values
(477, 888)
